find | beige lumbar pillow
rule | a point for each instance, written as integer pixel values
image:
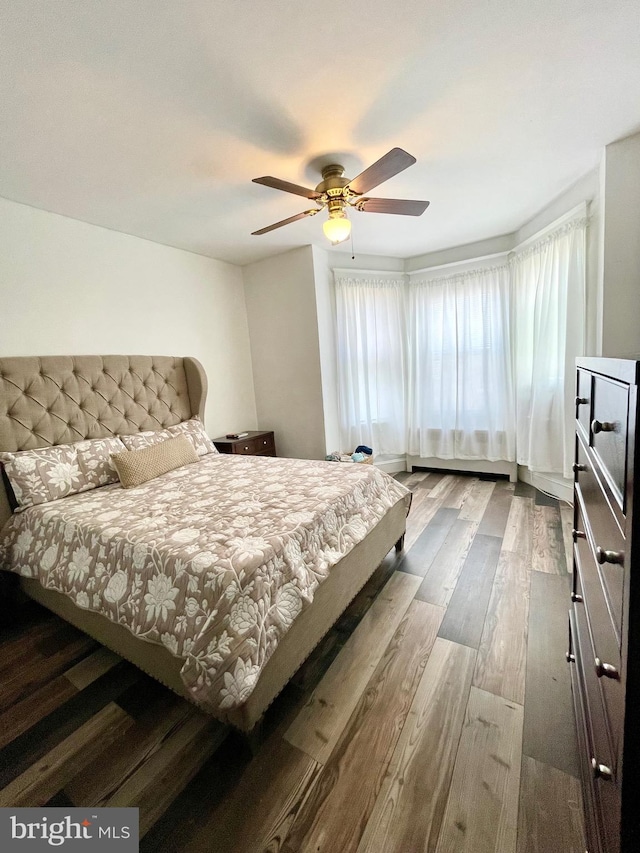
(135, 467)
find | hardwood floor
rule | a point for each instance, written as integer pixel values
(435, 717)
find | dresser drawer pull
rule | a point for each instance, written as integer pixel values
(579, 466)
(576, 598)
(606, 669)
(571, 658)
(580, 401)
(600, 771)
(578, 534)
(602, 426)
(603, 556)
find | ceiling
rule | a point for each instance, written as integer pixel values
(151, 117)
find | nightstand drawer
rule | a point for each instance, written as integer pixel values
(255, 443)
(266, 445)
(247, 446)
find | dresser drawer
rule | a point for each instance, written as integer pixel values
(583, 401)
(591, 816)
(610, 416)
(603, 533)
(599, 649)
(604, 640)
(597, 759)
(599, 732)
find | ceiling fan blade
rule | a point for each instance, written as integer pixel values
(386, 167)
(286, 221)
(406, 207)
(277, 184)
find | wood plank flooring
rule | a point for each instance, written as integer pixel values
(435, 716)
(482, 806)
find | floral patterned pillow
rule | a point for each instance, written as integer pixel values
(94, 460)
(195, 432)
(192, 429)
(49, 473)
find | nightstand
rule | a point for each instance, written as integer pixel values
(255, 443)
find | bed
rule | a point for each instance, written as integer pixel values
(138, 536)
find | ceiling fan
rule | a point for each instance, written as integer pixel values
(336, 193)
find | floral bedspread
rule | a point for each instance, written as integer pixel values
(214, 560)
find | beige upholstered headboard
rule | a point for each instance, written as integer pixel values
(61, 399)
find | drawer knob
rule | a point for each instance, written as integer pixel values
(580, 401)
(606, 669)
(600, 771)
(602, 426)
(576, 598)
(579, 466)
(570, 657)
(578, 534)
(603, 556)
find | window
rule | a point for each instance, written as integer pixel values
(460, 384)
(447, 367)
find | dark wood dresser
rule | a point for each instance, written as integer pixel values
(254, 443)
(604, 619)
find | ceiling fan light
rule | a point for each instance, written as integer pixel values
(337, 229)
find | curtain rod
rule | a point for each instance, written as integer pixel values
(582, 207)
(369, 272)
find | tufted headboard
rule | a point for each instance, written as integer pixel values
(61, 399)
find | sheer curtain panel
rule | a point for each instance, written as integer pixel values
(460, 380)
(478, 364)
(549, 287)
(371, 335)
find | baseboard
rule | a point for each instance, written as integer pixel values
(553, 484)
(391, 466)
(474, 466)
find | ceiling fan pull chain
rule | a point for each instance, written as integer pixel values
(353, 255)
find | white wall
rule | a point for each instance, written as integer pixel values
(67, 287)
(337, 259)
(613, 247)
(283, 327)
(326, 310)
(458, 254)
(585, 189)
(620, 283)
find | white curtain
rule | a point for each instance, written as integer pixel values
(549, 287)
(371, 337)
(460, 381)
(446, 367)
